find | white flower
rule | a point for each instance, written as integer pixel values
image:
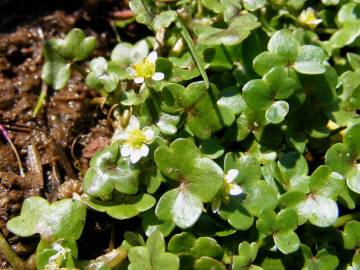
(145, 69)
(134, 140)
(233, 189)
(307, 17)
(229, 188)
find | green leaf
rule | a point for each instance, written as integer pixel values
(236, 214)
(257, 94)
(277, 111)
(63, 219)
(205, 263)
(231, 98)
(291, 165)
(264, 61)
(167, 123)
(238, 30)
(253, 5)
(247, 254)
(351, 235)
(352, 140)
(181, 243)
(75, 46)
(354, 60)
(284, 44)
(247, 165)
(60, 253)
(310, 60)
(56, 70)
(259, 196)
(164, 19)
(182, 162)
(287, 242)
(323, 260)
(348, 12)
(319, 210)
(326, 183)
(109, 171)
(121, 206)
(214, 5)
(208, 247)
(103, 75)
(151, 223)
(179, 206)
(153, 255)
(126, 54)
(144, 11)
(199, 103)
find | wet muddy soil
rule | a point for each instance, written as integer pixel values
(55, 146)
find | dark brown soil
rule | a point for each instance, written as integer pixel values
(68, 129)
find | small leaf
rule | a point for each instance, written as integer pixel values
(153, 255)
(181, 207)
(354, 60)
(319, 210)
(205, 263)
(238, 30)
(167, 123)
(287, 242)
(284, 44)
(109, 171)
(351, 235)
(75, 46)
(257, 94)
(326, 183)
(62, 219)
(277, 111)
(121, 206)
(56, 70)
(207, 246)
(164, 19)
(310, 60)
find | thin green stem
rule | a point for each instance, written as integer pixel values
(41, 99)
(10, 255)
(341, 221)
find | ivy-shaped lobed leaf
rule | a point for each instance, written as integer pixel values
(64, 219)
(182, 162)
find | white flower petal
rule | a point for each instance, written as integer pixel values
(158, 76)
(139, 80)
(152, 57)
(235, 190)
(133, 124)
(126, 150)
(144, 150)
(231, 175)
(120, 135)
(149, 134)
(131, 71)
(215, 205)
(135, 155)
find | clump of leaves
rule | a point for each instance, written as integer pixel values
(236, 141)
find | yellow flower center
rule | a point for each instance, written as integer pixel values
(136, 138)
(226, 190)
(144, 69)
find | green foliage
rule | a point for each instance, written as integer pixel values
(64, 219)
(59, 54)
(236, 144)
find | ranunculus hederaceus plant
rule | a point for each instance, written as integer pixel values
(236, 140)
